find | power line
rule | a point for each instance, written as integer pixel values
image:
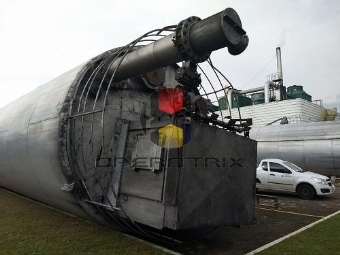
(258, 72)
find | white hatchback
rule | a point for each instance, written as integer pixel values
(277, 174)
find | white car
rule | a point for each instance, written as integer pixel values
(277, 174)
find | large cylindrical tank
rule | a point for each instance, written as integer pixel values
(104, 142)
(314, 146)
(30, 137)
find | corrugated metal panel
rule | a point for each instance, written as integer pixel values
(314, 146)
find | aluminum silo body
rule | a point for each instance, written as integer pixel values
(30, 136)
(314, 146)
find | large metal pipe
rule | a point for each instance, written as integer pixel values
(194, 39)
(230, 98)
(265, 88)
(224, 29)
(246, 91)
(266, 91)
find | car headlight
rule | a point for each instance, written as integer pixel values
(319, 180)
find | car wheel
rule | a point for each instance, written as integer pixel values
(306, 191)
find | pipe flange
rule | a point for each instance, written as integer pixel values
(182, 41)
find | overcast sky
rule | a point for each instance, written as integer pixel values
(40, 40)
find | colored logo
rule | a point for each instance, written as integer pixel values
(172, 127)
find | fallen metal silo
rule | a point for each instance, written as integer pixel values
(314, 146)
(125, 139)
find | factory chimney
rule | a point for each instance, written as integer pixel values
(279, 74)
(279, 62)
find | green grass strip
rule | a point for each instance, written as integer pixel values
(323, 238)
(30, 228)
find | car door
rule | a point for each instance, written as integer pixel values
(262, 175)
(280, 177)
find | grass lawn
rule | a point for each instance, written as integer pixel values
(323, 238)
(30, 228)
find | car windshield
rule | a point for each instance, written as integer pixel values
(294, 167)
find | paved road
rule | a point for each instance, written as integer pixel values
(293, 214)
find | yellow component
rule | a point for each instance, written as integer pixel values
(328, 114)
(170, 136)
(323, 115)
(331, 114)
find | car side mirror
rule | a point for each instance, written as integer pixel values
(265, 168)
(287, 171)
